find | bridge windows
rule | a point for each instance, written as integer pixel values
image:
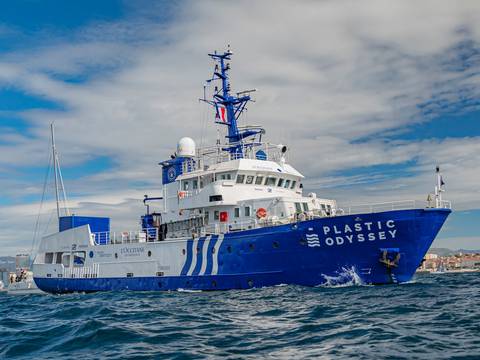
(223, 176)
(240, 178)
(270, 181)
(266, 180)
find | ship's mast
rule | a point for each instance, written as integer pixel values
(228, 107)
(55, 172)
(58, 179)
(438, 188)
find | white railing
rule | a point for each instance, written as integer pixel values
(183, 194)
(216, 154)
(445, 204)
(125, 237)
(152, 234)
(394, 205)
(81, 271)
(224, 227)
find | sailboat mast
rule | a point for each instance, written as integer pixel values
(55, 170)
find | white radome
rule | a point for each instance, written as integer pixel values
(186, 147)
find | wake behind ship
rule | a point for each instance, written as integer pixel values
(234, 216)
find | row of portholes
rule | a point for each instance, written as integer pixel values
(275, 245)
(198, 251)
(213, 283)
(149, 254)
(251, 246)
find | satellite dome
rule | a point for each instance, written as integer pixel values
(186, 147)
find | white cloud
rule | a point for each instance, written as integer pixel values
(328, 72)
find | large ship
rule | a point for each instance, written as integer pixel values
(234, 216)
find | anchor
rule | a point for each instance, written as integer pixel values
(390, 263)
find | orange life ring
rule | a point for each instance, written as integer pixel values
(182, 194)
(261, 213)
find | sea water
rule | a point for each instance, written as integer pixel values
(432, 317)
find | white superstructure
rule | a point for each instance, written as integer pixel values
(231, 194)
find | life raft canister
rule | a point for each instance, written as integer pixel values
(261, 213)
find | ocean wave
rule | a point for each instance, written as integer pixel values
(344, 277)
(433, 317)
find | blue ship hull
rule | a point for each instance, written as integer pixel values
(378, 248)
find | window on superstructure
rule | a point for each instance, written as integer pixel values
(216, 215)
(185, 185)
(79, 258)
(236, 212)
(240, 178)
(58, 257)
(214, 198)
(49, 258)
(298, 207)
(259, 180)
(305, 206)
(66, 260)
(249, 179)
(293, 184)
(195, 184)
(287, 184)
(224, 176)
(247, 211)
(280, 182)
(270, 181)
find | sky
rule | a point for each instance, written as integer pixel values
(369, 96)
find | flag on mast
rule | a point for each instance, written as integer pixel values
(221, 114)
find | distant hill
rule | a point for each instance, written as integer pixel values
(441, 251)
(465, 251)
(448, 252)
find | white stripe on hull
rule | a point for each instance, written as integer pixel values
(194, 257)
(215, 255)
(204, 255)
